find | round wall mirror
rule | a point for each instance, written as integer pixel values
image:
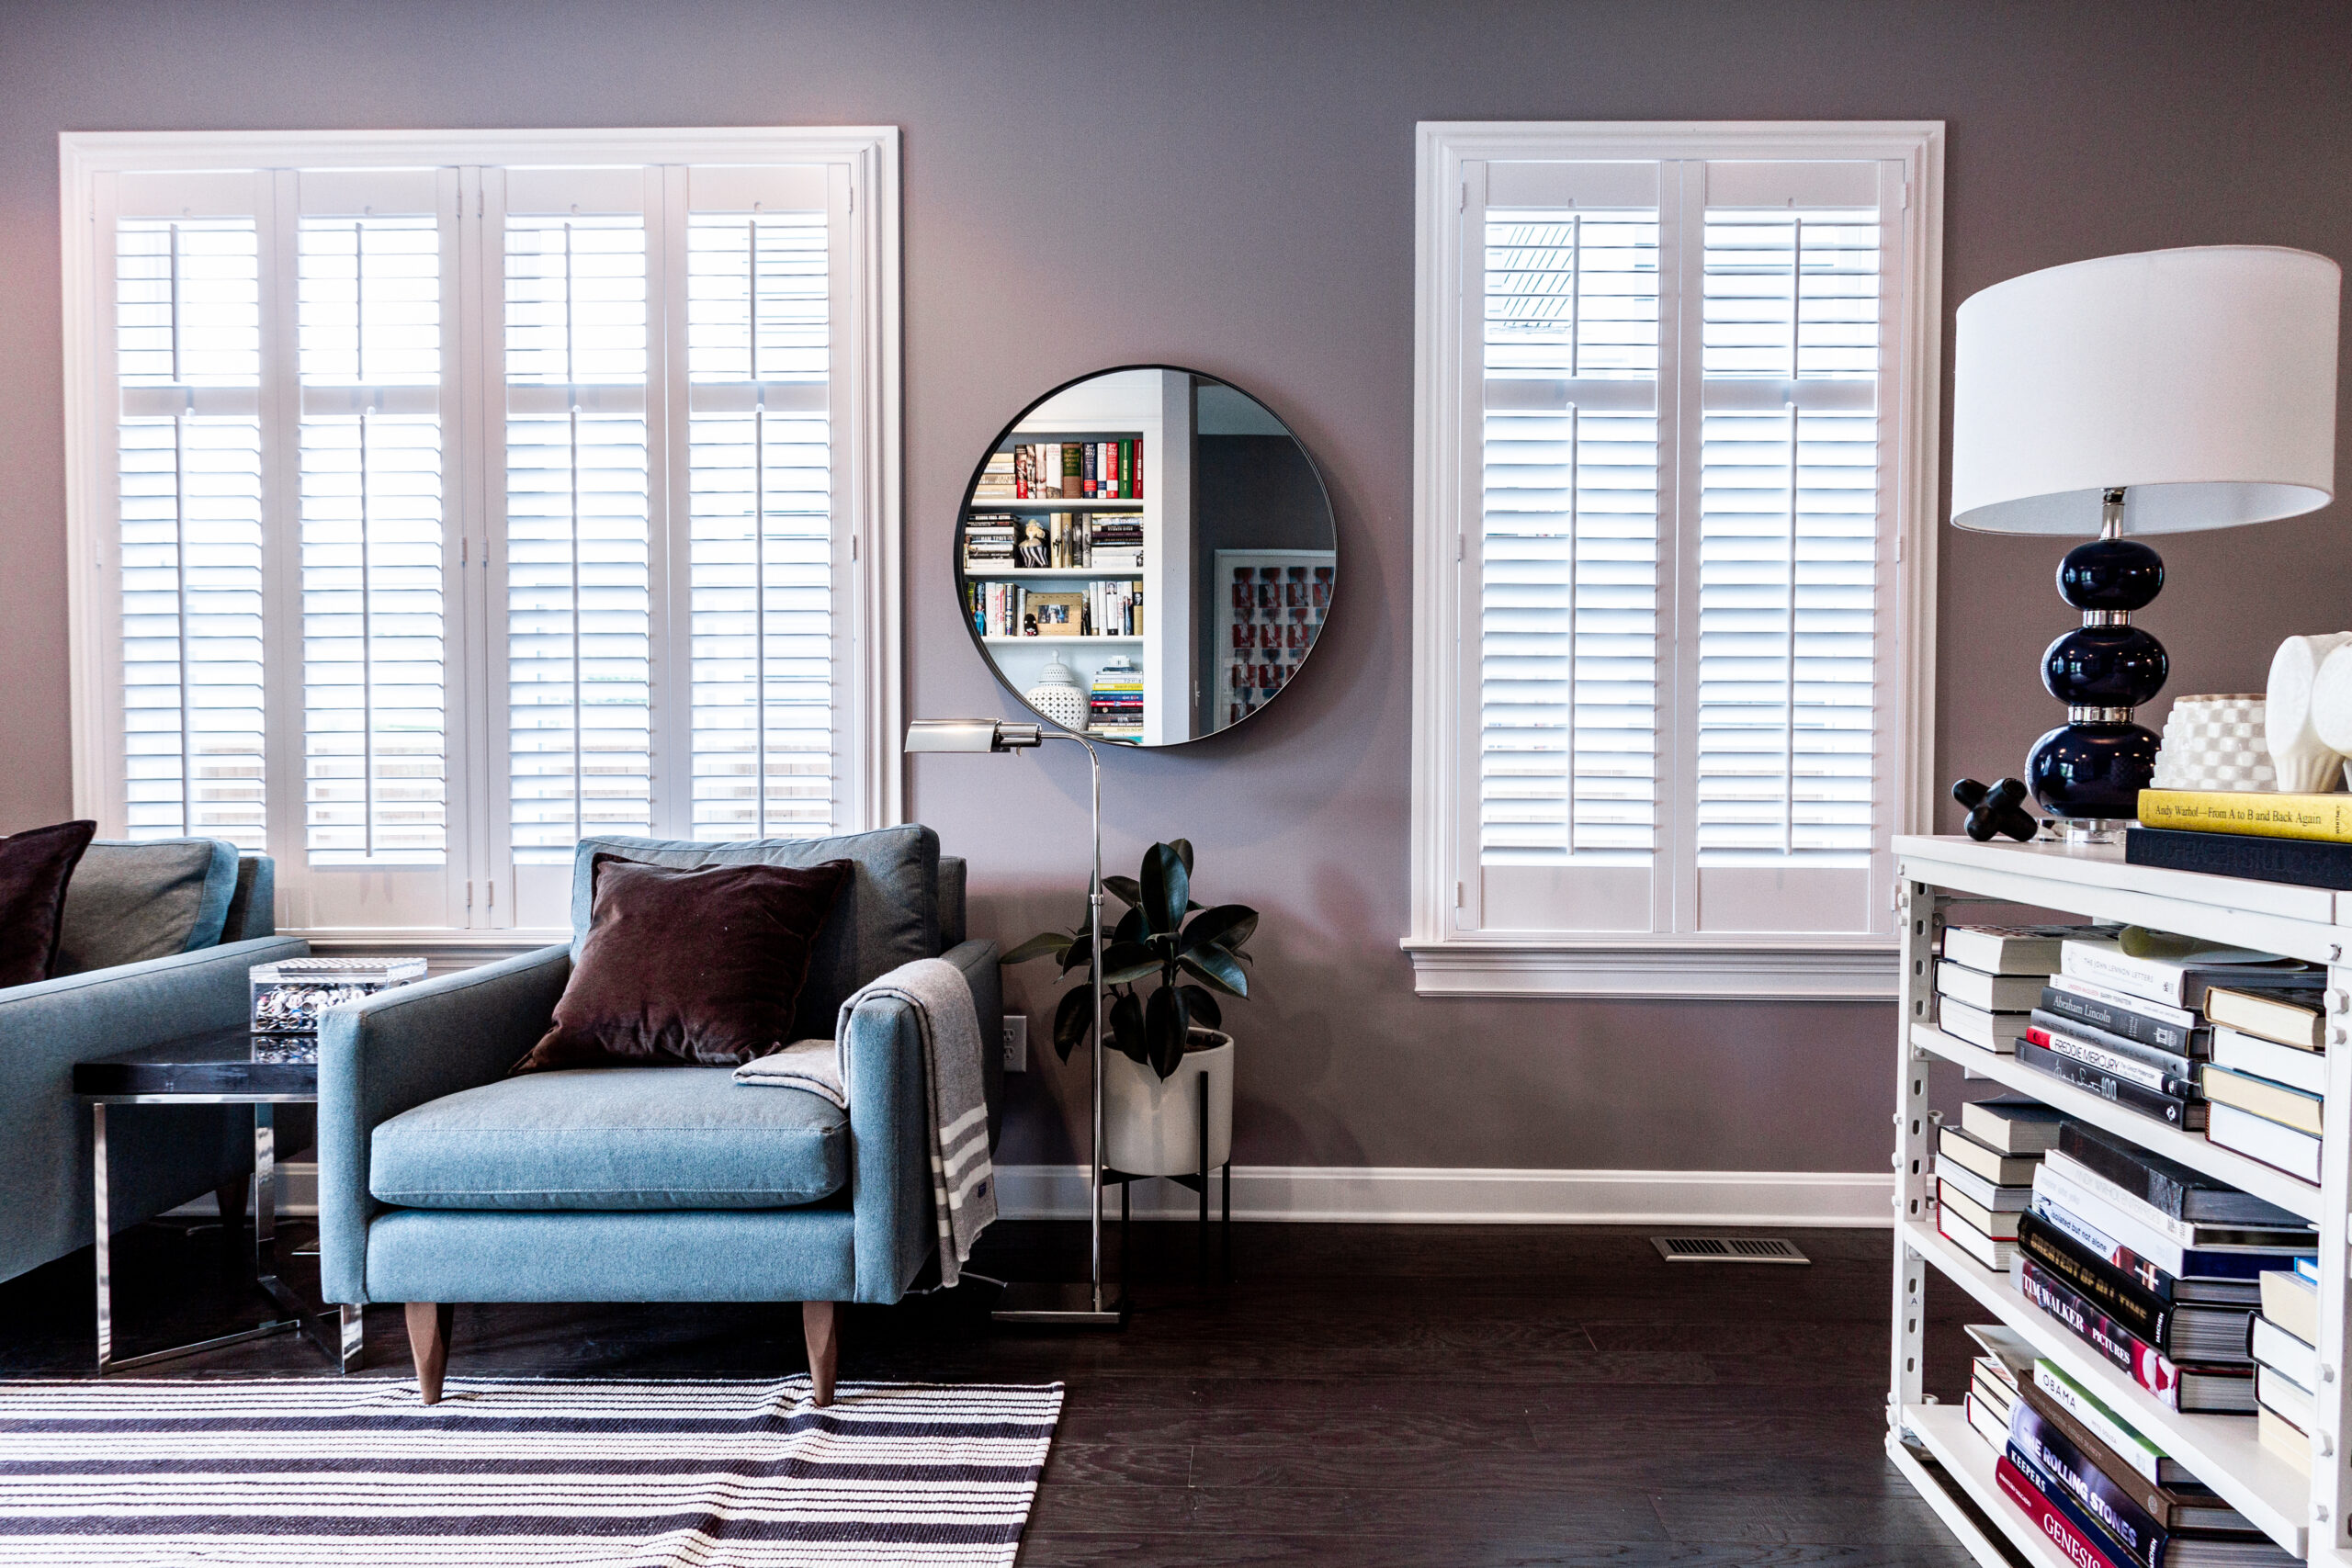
(1146, 556)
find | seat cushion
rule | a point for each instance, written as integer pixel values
(132, 901)
(887, 915)
(613, 1138)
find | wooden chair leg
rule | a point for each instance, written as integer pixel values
(817, 1320)
(428, 1344)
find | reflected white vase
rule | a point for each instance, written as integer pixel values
(1151, 1125)
(2305, 760)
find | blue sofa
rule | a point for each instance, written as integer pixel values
(441, 1179)
(157, 937)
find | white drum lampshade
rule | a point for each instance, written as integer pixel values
(2201, 382)
(2154, 393)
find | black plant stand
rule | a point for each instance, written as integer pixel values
(1199, 1182)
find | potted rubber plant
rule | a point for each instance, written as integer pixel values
(1165, 965)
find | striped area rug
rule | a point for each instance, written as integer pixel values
(517, 1473)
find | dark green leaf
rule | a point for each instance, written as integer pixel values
(1227, 925)
(1166, 886)
(1183, 848)
(1205, 1010)
(1073, 1020)
(1038, 946)
(1130, 927)
(1080, 953)
(1165, 1028)
(1126, 1028)
(1126, 889)
(1126, 961)
(1220, 969)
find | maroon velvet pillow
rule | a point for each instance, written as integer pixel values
(35, 866)
(696, 967)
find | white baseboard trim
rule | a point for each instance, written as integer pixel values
(1409, 1195)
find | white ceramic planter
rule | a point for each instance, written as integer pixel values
(1151, 1125)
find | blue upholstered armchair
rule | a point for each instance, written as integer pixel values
(157, 938)
(441, 1179)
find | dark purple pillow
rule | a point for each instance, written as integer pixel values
(693, 967)
(35, 866)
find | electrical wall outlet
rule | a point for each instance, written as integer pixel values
(1016, 1043)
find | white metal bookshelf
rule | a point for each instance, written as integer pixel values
(1932, 1444)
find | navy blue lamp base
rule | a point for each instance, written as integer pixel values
(2090, 770)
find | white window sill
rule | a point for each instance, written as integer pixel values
(1823, 969)
(443, 951)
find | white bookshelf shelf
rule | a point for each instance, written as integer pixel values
(2303, 1515)
(1061, 503)
(1055, 641)
(2221, 1450)
(1966, 1459)
(1065, 573)
(2189, 1148)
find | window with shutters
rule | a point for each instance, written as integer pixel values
(445, 500)
(1676, 423)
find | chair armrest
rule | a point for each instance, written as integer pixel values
(890, 1157)
(979, 961)
(396, 1051)
(46, 1028)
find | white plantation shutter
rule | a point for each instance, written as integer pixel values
(1679, 563)
(761, 568)
(187, 305)
(578, 528)
(369, 313)
(1789, 533)
(1569, 559)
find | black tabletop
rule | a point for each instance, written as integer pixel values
(221, 1062)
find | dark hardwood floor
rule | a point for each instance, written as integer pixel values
(1424, 1397)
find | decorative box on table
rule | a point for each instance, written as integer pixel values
(289, 994)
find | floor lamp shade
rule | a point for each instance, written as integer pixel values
(2154, 393)
(2201, 382)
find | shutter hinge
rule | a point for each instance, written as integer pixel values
(1906, 192)
(489, 892)
(1462, 204)
(1460, 899)
(1459, 548)
(852, 195)
(469, 892)
(853, 547)
(465, 557)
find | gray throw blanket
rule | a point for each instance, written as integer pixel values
(962, 1178)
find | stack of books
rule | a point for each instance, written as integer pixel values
(2269, 837)
(989, 538)
(1114, 540)
(2106, 1495)
(1990, 977)
(2267, 1077)
(1114, 609)
(1994, 1377)
(2286, 1366)
(1984, 1174)
(1115, 707)
(1046, 469)
(2153, 1266)
(2130, 1027)
(995, 482)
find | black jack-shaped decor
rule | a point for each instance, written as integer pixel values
(2000, 809)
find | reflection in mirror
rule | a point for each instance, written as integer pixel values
(1146, 556)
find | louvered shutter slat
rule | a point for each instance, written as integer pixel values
(188, 322)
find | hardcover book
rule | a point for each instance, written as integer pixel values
(2326, 818)
(2250, 1054)
(2169, 1190)
(2012, 1124)
(2010, 949)
(2292, 1303)
(2133, 1018)
(2177, 982)
(2285, 1017)
(2259, 1138)
(2300, 863)
(1992, 993)
(2146, 1458)
(2086, 1550)
(2275, 1102)
(1995, 1031)
(2172, 1110)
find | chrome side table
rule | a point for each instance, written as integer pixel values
(224, 1066)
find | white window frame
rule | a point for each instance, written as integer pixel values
(867, 452)
(1450, 961)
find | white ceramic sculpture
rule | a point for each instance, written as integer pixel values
(2305, 758)
(2331, 710)
(2214, 742)
(1057, 695)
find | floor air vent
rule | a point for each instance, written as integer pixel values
(1727, 1250)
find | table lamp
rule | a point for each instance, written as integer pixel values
(2154, 393)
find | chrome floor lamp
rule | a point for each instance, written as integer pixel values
(1080, 1303)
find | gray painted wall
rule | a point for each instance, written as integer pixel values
(1230, 186)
